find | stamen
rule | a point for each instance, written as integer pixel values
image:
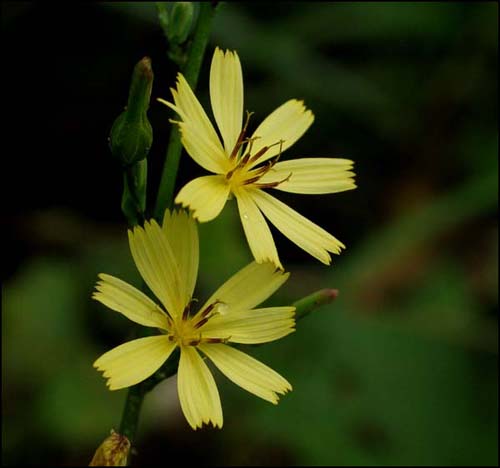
(216, 340)
(201, 322)
(195, 342)
(277, 158)
(209, 308)
(170, 322)
(239, 141)
(264, 150)
(244, 159)
(186, 311)
(252, 180)
(274, 184)
(261, 171)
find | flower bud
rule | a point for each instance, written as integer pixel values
(112, 452)
(181, 19)
(131, 135)
(176, 19)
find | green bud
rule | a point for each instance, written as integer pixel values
(181, 19)
(131, 135)
(176, 20)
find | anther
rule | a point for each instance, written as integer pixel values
(186, 311)
(209, 308)
(195, 342)
(274, 184)
(246, 157)
(264, 150)
(170, 323)
(201, 322)
(216, 340)
(239, 141)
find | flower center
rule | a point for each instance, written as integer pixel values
(187, 331)
(242, 172)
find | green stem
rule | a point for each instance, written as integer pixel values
(131, 411)
(191, 72)
(135, 395)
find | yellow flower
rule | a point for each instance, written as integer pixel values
(167, 259)
(244, 166)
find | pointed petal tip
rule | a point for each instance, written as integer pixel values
(326, 260)
(217, 424)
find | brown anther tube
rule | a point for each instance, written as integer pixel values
(239, 141)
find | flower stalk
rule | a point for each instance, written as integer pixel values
(135, 395)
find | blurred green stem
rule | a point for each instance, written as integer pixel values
(135, 395)
(191, 72)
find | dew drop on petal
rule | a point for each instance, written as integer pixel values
(245, 216)
(222, 308)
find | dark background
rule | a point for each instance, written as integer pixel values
(402, 368)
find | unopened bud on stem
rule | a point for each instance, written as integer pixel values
(131, 136)
(176, 20)
(112, 452)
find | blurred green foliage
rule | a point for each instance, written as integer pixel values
(402, 368)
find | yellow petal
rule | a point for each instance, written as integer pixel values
(182, 234)
(129, 301)
(198, 393)
(249, 287)
(157, 264)
(251, 326)
(226, 95)
(133, 362)
(198, 134)
(257, 231)
(204, 196)
(307, 235)
(203, 151)
(288, 123)
(247, 372)
(312, 175)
